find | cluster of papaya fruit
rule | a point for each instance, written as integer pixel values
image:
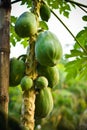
(48, 52)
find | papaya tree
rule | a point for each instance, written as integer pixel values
(44, 51)
(27, 25)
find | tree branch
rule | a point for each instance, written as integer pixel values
(82, 9)
(76, 3)
(15, 1)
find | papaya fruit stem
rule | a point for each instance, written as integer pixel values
(82, 9)
(76, 3)
(24, 55)
(15, 1)
(77, 41)
(31, 61)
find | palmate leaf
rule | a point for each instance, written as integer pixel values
(71, 69)
(13, 36)
(83, 73)
(77, 68)
(75, 53)
(43, 25)
(27, 2)
(63, 7)
(82, 37)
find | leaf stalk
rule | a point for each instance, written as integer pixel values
(76, 3)
(66, 28)
(69, 31)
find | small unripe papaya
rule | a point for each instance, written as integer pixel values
(51, 73)
(26, 83)
(45, 12)
(41, 82)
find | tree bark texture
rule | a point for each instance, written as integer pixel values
(5, 9)
(28, 108)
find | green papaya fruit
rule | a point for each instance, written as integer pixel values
(45, 12)
(26, 83)
(48, 49)
(17, 71)
(41, 82)
(43, 103)
(51, 73)
(26, 25)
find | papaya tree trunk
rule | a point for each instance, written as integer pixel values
(28, 105)
(5, 9)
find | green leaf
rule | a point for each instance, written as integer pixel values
(12, 40)
(13, 19)
(26, 2)
(84, 18)
(82, 38)
(63, 7)
(25, 42)
(66, 14)
(75, 53)
(76, 68)
(55, 5)
(71, 69)
(43, 25)
(67, 7)
(13, 36)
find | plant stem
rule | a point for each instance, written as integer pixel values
(28, 106)
(23, 55)
(15, 1)
(82, 9)
(69, 31)
(76, 3)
